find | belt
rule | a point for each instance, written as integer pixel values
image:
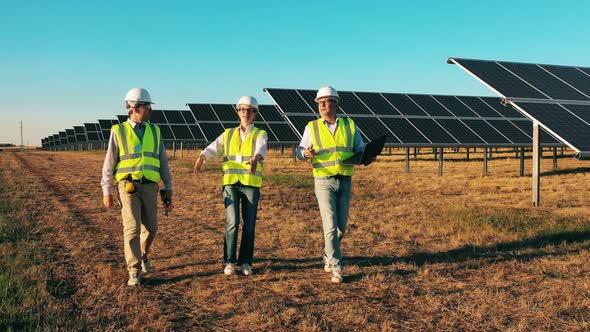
(143, 181)
(337, 177)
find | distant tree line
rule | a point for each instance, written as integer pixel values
(6, 144)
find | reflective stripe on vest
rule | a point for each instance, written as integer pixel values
(138, 159)
(234, 171)
(332, 151)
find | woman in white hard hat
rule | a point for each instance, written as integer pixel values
(243, 148)
(329, 141)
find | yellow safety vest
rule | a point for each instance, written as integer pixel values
(234, 171)
(138, 159)
(331, 151)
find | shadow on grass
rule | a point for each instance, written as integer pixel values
(469, 256)
(578, 170)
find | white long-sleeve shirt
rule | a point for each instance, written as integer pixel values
(359, 145)
(112, 158)
(215, 149)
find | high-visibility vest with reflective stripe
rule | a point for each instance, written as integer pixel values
(234, 171)
(138, 159)
(331, 151)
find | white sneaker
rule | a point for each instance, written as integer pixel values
(337, 276)
(146, 267)
(327, 267)
(134, 279)
(230, 269)
(246, 269)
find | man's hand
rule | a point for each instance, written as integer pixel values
(198, 164)
(107, 201)
(309, 152)
(254, 163)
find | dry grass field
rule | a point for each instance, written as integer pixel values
(464, 251)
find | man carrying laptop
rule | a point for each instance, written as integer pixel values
(331, 143)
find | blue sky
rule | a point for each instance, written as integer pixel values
(63, 63)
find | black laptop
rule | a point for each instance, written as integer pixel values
(372, 150)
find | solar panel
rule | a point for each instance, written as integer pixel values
(433, 131)
(405, 131)
(166, 132)
(418, 120)
(56, 139)
(91, 127)
(283, 133)
(79, 130)
(377, 103)
(197, 133)
(350, 104)
(403, 104)
(122, 118)
(487, 132)
(557, 97)
(460, 131)
(203, 112)
(479, 107)
(270, 113)
(211, 130)
(188, 117)
(182, 132)
(453, 104)
(289, 101)
(505, 111)
(63, 138)
(372, 128)
(71, 134)
(174, 117)
(157, 117)
(527, 128)
(299, 122)
(430, 105)
(225, 112)
(508, 129)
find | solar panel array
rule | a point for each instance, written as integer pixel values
(414, 120)
(215, 118)
(558, 97)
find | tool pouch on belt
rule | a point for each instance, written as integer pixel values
(130, 186)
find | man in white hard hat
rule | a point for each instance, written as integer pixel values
(243, 148)
(136, 160)
(328, 142)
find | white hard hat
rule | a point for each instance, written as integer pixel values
(327, 91)
(248, 100)
(138, 95)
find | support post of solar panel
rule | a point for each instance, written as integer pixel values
(174, 149)
(536, 163)
(467, 150)
(485, 160)
(407, 160)
(181, 149)
(522, 161)
(554, 158)
(440, 161)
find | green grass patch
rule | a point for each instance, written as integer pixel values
(291, 180)
(27, 287)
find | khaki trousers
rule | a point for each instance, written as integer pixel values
(139, 211)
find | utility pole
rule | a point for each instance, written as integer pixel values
(22, 147)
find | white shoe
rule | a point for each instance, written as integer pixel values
(246, 269)
(337, 276)
(146, 267)
(230, 269)
(134, 279)
(327, 267)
